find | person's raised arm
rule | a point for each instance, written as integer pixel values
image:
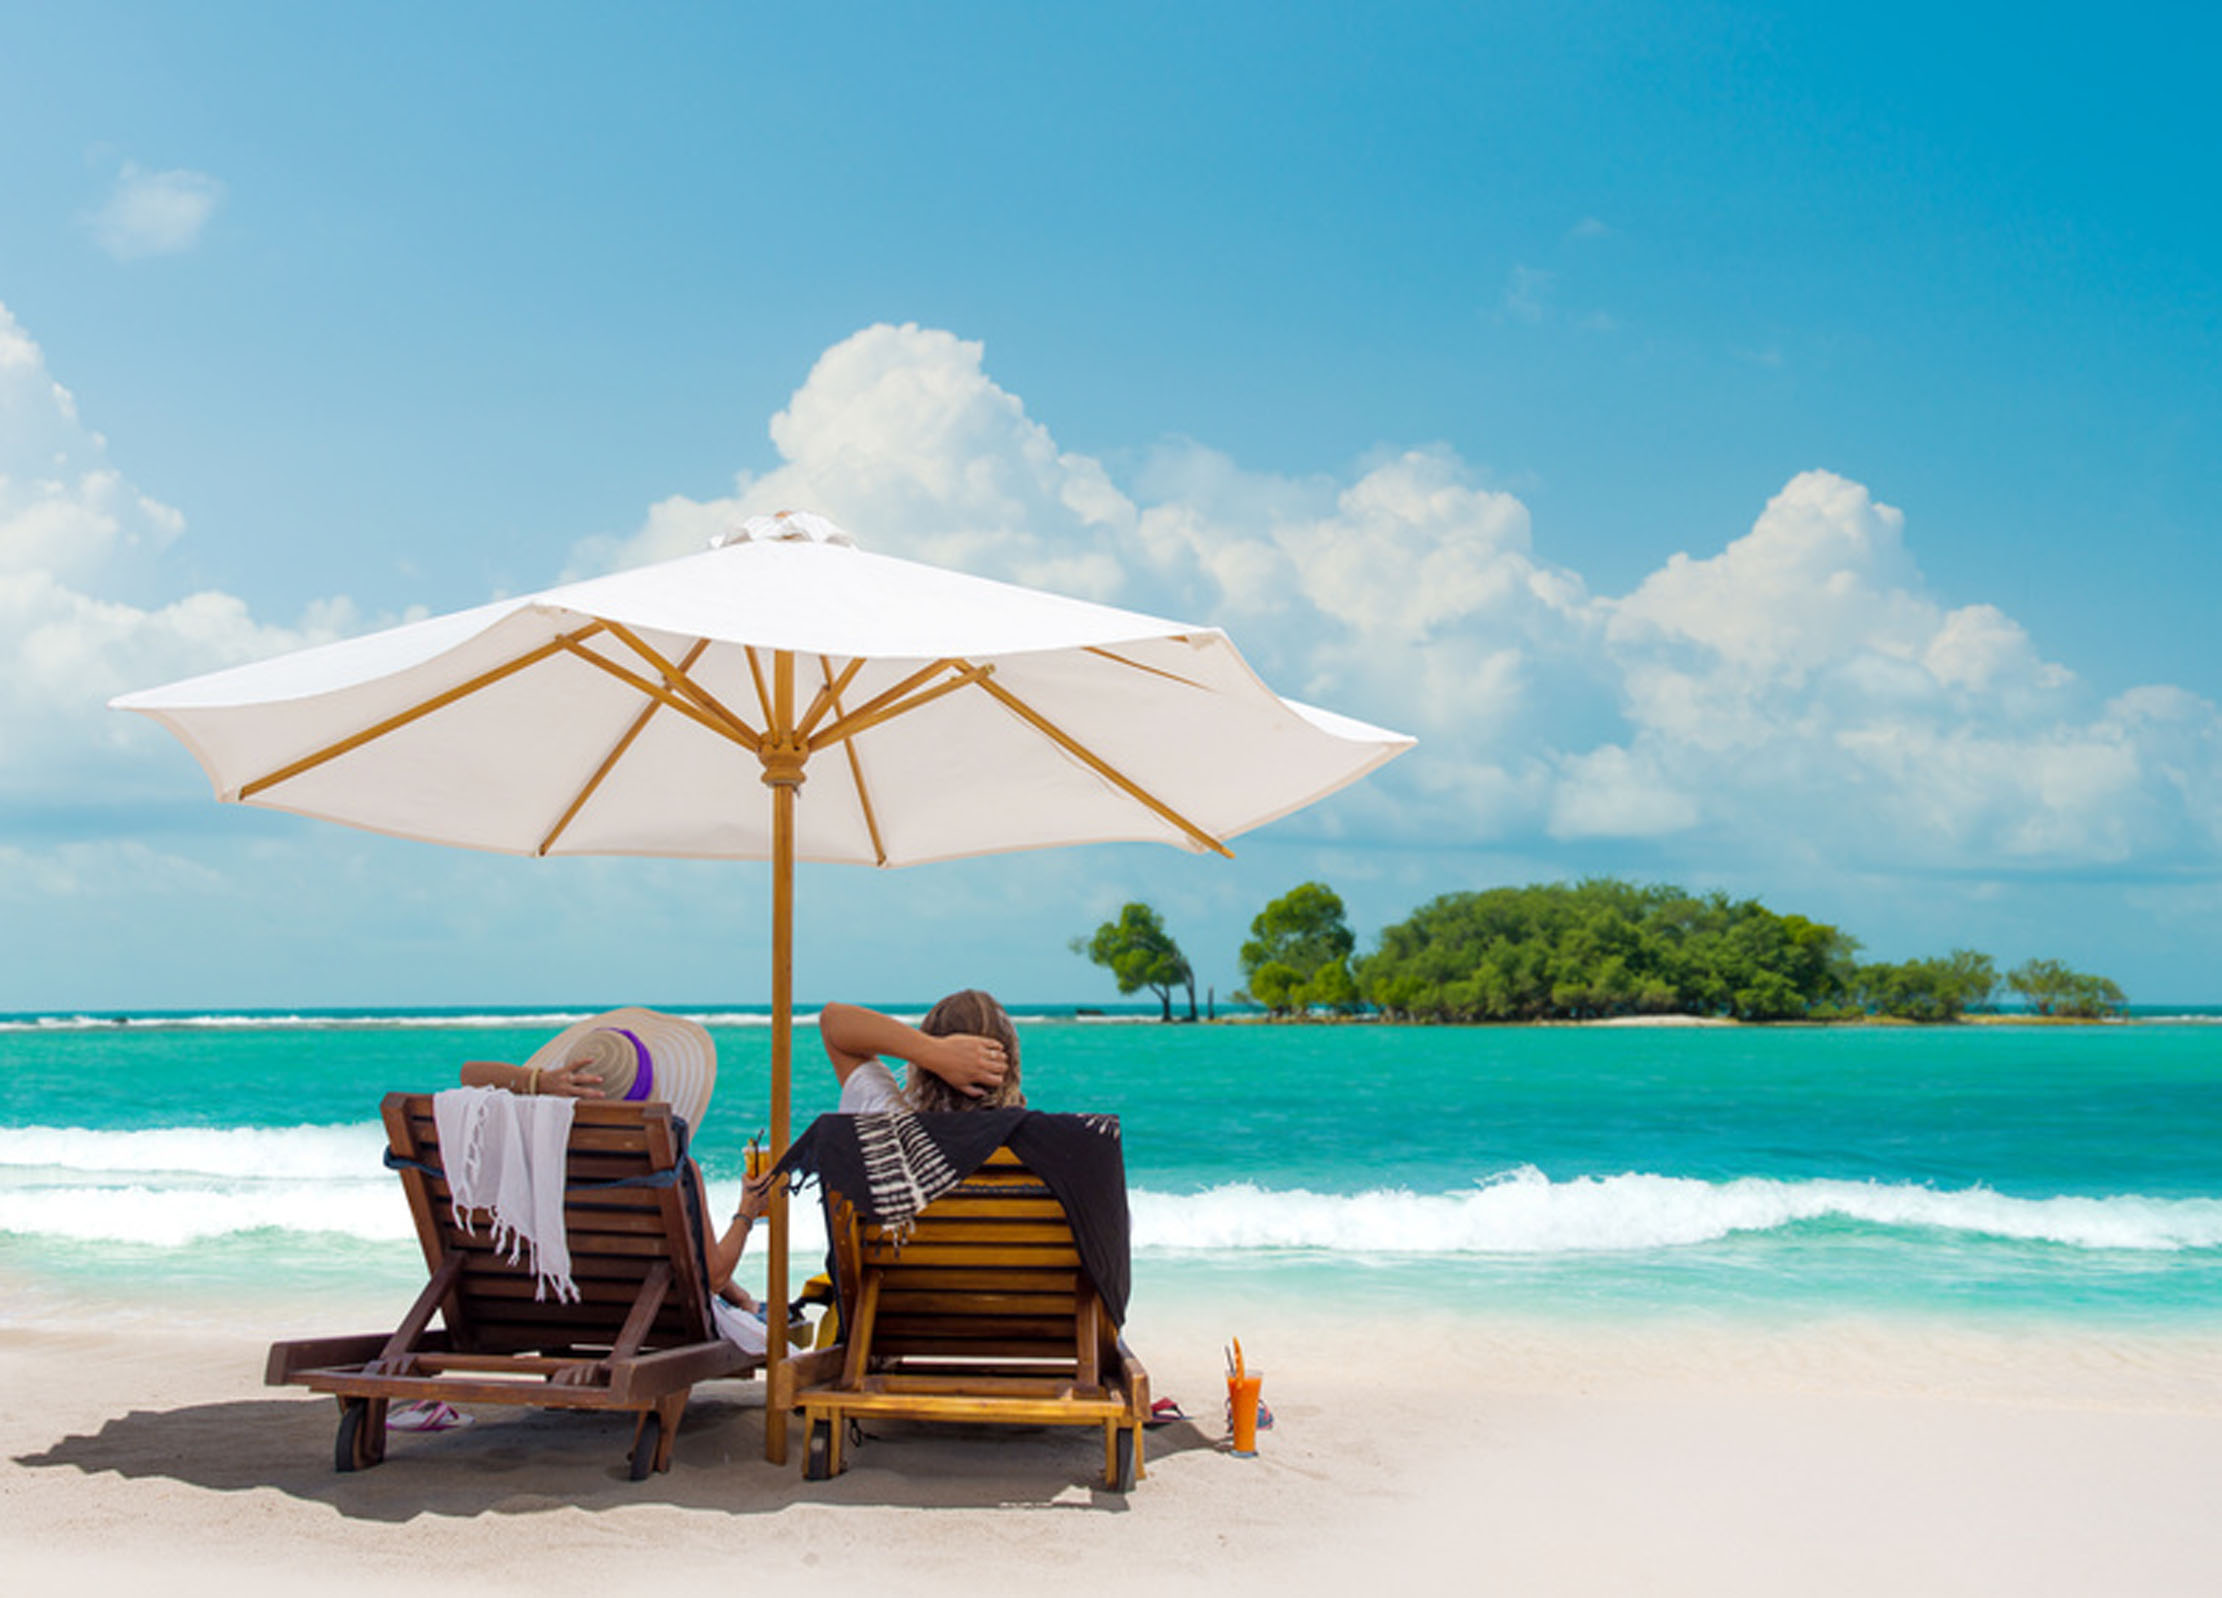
(725, 1253)
(974, 1066)
(563, 1081)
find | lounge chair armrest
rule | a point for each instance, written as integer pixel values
(1137, 1379)
(814, 1369)
(318, 1353)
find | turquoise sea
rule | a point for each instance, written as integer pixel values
(2001, 1175)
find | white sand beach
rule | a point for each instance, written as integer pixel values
(1515, 1457)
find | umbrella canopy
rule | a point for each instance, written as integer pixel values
(933, 716)
(636, 713)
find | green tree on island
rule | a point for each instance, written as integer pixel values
(1581, 951)
(1298, 956)
(2050, 988)
(1928, 990)
(1138, 951)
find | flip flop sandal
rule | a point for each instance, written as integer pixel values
(1163, 1413)
(426, 1416)
(1265, 1415)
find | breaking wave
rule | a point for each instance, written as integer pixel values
(1525, 1212)
(173, 1186)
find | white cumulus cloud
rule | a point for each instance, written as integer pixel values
(74, 533)
(1796, 689)
(900, 435)
(1804, 679)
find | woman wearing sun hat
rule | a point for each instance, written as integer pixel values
(638, 1054)
(628, 1053)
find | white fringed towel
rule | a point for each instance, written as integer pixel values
(737, 1326)
(506, 1155)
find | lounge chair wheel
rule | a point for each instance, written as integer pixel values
(360, 1443)
(645, 1445)
(817, 1458)
(1123, 1453)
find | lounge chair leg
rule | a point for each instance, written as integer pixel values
(671, 1409)
(1127, 1450)
(648, 1440)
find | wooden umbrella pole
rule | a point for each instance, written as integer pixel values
(783, 756)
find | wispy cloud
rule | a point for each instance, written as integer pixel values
(1527, 294)
(1589, 228)
(154, 213)
(1531, 296)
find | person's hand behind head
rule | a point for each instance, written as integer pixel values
(974, 1066)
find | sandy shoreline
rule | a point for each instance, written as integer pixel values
(1527, 1458)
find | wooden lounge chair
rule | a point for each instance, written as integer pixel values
(982, 1314)
(638, 1339)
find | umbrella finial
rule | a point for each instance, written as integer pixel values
(786, 527)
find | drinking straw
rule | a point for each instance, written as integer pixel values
(1238, 1367)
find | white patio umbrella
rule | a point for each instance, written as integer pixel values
(934, 715)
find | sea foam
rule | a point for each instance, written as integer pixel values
(176, 1185)
(275, 1152)
(1525, 1212)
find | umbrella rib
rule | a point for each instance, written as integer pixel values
(609, 761)
(664, 696)
(866, 719)
(377, 730)
(763, 694)
(832, 696)
(1136, 665)
(878, 701)
(676, 677)
(829, 697)
(1097, 764)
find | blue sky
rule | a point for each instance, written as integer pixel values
(1413, 344)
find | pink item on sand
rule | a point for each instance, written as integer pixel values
(425, 1417)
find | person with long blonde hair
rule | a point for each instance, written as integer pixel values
(962, 1056)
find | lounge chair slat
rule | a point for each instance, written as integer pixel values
(592, 1289)
(980, 1255)
(971, 1207)
(963, 1411)
(968, 1230)
(896, 1302)
(989, 1328)
(615, 1244)
(912, 1277)
(980, 1383)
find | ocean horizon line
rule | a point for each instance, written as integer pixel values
(310, 1016)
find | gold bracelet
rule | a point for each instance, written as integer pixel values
(532, 1082)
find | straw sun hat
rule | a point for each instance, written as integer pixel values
(639, 1054)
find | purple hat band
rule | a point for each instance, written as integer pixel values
(644, 1078)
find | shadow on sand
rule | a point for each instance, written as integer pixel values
(526, 1461)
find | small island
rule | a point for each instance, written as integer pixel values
(1597, 950)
